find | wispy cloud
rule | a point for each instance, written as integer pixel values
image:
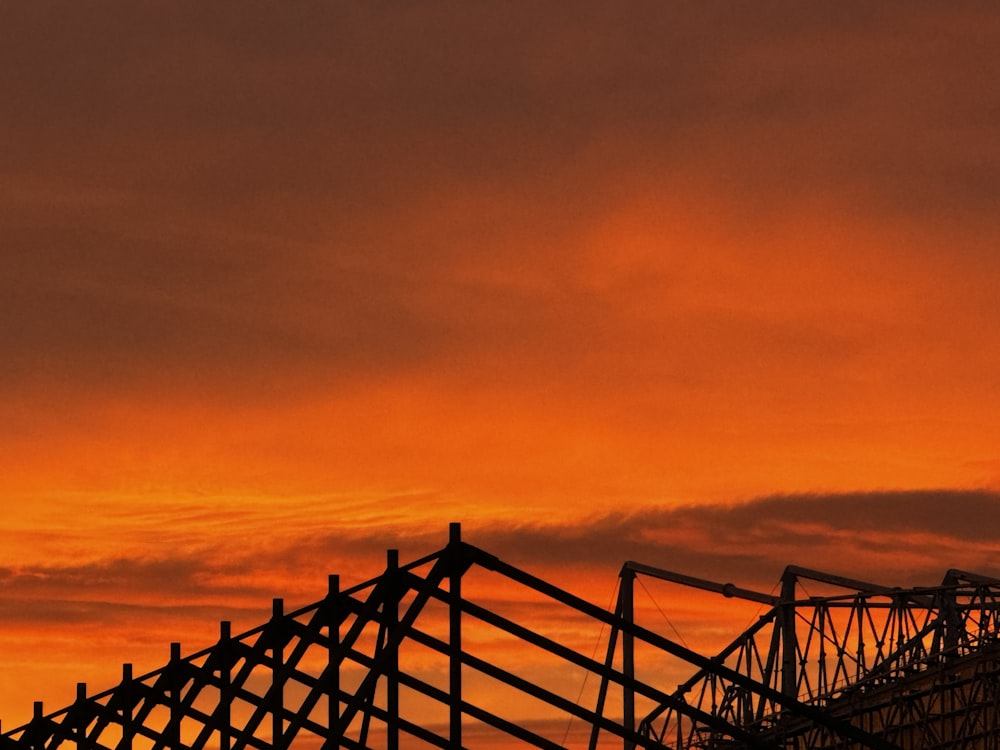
(900, 538)
(903, 538)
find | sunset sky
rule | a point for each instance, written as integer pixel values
(713, 286)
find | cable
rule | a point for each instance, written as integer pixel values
(662, 613)
(597, 645)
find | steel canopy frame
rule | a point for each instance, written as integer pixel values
(341, 673)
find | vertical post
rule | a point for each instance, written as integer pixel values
(953, 624)
(126, 690)
(38, 737)
(80, 730)
(391, 614)
(628, 654)
(455, 633)
(333, 661)
(174, 731)
(225, 684)
(789, 643)
(277, 679)
(860, 660)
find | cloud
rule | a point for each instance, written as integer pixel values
(59, 617)
(123, 588)
(895, 537)
(899, 538)
(295, 197)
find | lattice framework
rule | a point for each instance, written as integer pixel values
(384, 664)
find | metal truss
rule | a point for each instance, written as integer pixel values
(404, 661)
(866, 666)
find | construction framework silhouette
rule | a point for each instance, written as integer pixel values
(393, 663)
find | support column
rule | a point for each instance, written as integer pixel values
(174, 728)
(80, 730)
(126, 689)
(789, 649)
(789, 642)
(225, 684)
(391, 614)
(38, 718)
(277, 679)
(333, 661)
(628, 653)
(953, 625)
(455, 633)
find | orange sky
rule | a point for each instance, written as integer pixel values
(712, 287)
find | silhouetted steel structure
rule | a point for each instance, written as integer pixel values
(385, 664)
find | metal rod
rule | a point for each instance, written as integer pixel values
(277, 661)
(455, 573)
(333, 661)
(627, 592)
(789, 644)
(81, 722)
(392, 642)
(38, 717)
(126, 688)
(226, 683)
(174, 732)
(726, 589)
